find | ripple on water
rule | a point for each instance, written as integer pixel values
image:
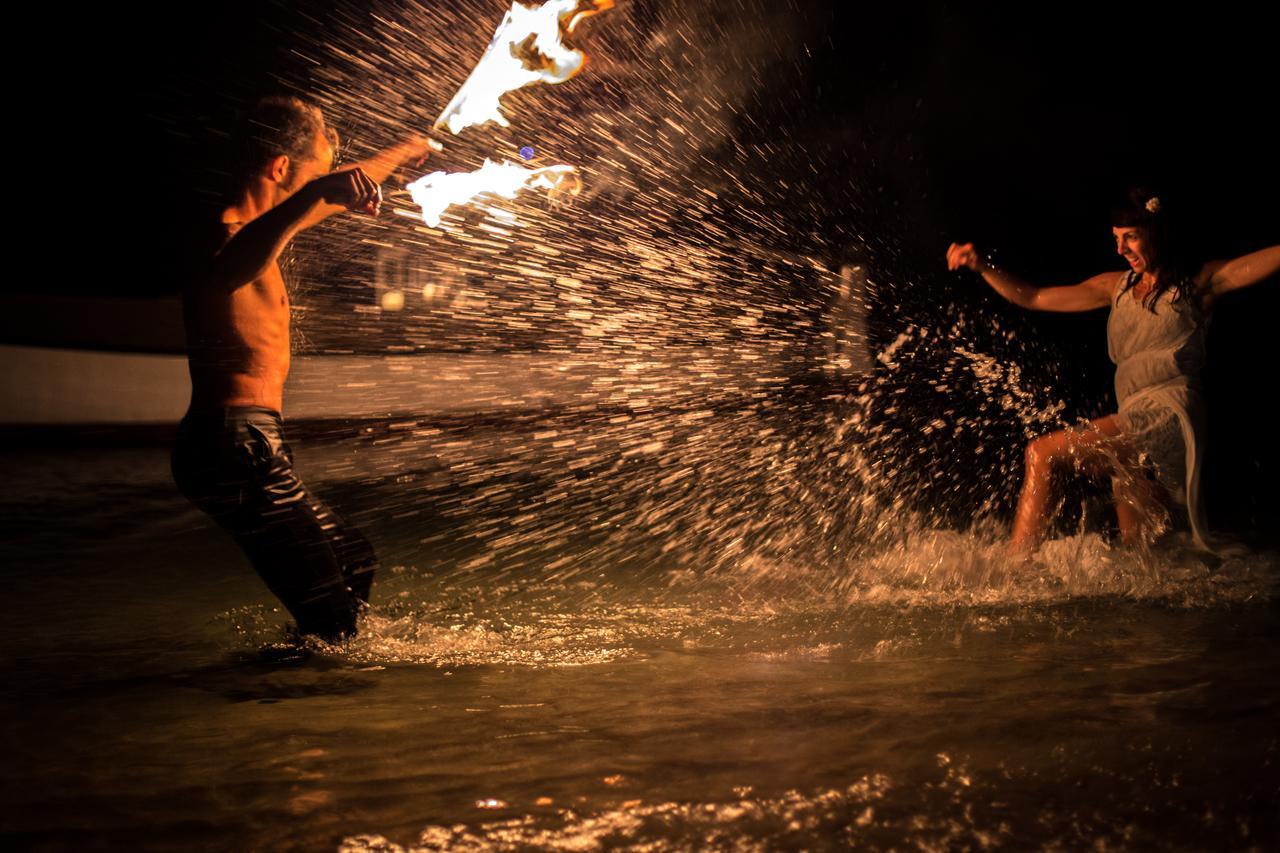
(747, 823)
(947, 806)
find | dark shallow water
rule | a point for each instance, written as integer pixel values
(150, 703)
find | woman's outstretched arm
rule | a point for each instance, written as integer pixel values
(1225, 276)
(1087, 295)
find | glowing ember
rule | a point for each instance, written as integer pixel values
(438, 191)
(526, 48)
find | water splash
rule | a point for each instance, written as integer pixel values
(878, 607)
(655, 362)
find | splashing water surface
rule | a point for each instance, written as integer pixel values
(669, 581)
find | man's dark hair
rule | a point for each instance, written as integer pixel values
(275, 125)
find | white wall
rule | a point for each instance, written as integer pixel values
(45, 385)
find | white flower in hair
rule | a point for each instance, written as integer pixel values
(1153, 205)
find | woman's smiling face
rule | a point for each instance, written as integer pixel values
(1131, 244)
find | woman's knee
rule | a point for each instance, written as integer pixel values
(1041, 452)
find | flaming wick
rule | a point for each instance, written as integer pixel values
(438, 191)
(526, 48)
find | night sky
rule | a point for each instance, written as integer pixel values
(1013, 127)
(929, 122)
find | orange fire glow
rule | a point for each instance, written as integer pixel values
(528, 47)
(438, 191)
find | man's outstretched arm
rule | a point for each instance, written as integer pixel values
(379, 167)
(254, 248)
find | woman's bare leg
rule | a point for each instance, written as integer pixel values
(1140, 505)
(1033, 502)
(1096, 447)
(1130, 518)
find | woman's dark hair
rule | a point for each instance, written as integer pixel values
(275, 125)
(1169, 253)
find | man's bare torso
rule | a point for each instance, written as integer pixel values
(238, 341)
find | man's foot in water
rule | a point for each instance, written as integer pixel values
(292, 650)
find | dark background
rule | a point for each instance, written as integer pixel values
(1010, 126)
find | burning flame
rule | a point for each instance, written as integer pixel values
(438, 191)
(526, 48)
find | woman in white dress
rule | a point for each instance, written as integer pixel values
(1153, 446)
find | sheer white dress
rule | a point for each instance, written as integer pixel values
(1159, 359)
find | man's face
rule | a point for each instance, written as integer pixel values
(320, 162)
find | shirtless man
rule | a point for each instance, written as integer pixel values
(231, 458)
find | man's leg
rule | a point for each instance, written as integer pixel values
(357, 560)
(289, 544)
(320, 567)
(241, 473)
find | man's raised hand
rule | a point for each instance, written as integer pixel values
(349, 188)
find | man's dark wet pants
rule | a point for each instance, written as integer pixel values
(235, 465)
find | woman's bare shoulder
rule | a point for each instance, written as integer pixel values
(1108, 282)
